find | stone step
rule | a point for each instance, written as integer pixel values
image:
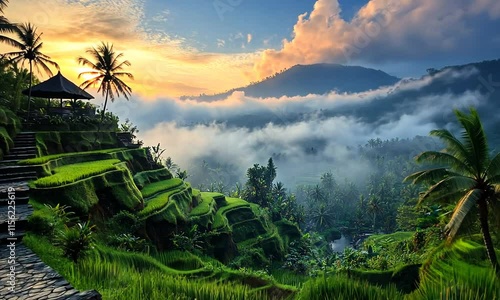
(9, 162)
(18, 173)
(19, 200)
(36, 280)
(16, 169)
(17, 179)
(24, 148)
(18, 156)
(30, 152)
(24, 141)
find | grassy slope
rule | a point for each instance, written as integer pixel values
(166, 199)
(169, 275)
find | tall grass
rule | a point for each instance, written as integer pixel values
(462, 285)
(460, 271)
(71, 173)
(343, 288)
(180, 260)
(121, 276)
(289, 278)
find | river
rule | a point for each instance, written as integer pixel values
(340, 244)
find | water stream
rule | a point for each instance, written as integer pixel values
(340, 244)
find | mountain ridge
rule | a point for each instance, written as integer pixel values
(302, 80)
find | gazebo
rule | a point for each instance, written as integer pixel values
(58, 87)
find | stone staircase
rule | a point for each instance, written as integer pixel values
(24, 148)
(33, 279)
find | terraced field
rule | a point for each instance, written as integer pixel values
(160, 196)
(74, 172)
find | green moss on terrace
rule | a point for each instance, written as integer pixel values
(221, 221)
(204, 213)
(146, 177)
(172, 205)
(159, 187)
(88, 181)
(56, 142)
(116, 189)
(74, 172)
(135, 159)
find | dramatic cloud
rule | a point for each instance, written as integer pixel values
(388, 31)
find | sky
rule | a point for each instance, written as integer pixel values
(189, 47)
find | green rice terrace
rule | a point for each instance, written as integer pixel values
(108, 218)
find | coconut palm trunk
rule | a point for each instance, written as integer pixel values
(103, 111)
(483, 221)
(29, 92)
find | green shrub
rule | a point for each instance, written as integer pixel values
(40, 222)
(124, 222)
(46, 220)
(76, 240)
(129, 242)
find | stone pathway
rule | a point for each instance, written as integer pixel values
(22, 274)
(33, 279)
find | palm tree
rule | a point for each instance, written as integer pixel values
(322, 217)
(29, 45)
(107, 73)
(5, 25)
(471, 177)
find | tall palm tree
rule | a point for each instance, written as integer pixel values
(5, 25)
(29, 45)
(107, 73)
(471, 178)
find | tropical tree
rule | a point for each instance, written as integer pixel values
(5, 25)
(107, 73)
(29, 44)
(470, 177)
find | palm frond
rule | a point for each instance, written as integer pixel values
(474, 139)
(449, 184)
(460, 212)
(493, 168)
(442, 158)
(121, 74)
(427, 176)
(444, 197)
(453, 145)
